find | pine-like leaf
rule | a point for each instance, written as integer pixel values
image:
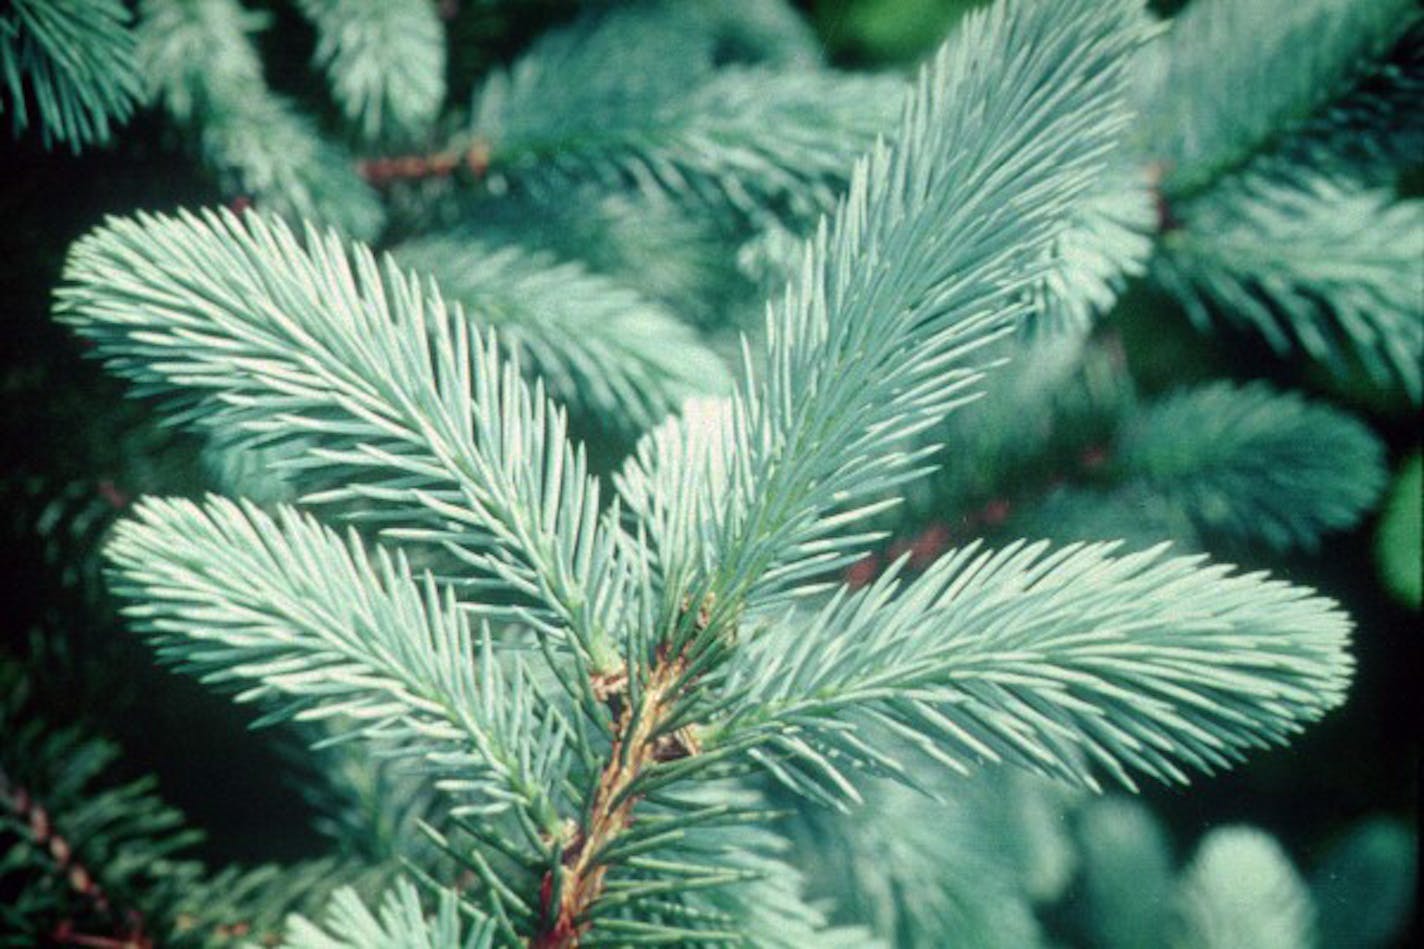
(597, 345)
(709, 871)
(72, 63)
(1320, 263)
(1132, 515)
(1107, 241)
(1242, 890)
(1127, 875)
(399, 923)
(376, 398)
(649, 245)
(1056, 660)
(79, 850)
(385, 59)
(1377, 128)
(1060, 396)
(1245, 463)
(71, 847)
(958, 886)
(206, 908)
(319, 629)
(199, 62)
(371, 806)
(1230, 77)
(929, 259)
(666, 120)
(393, 400)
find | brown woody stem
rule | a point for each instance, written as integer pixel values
(635, 747)
(383, 171)
(66, 865)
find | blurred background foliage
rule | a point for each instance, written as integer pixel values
(885, 31)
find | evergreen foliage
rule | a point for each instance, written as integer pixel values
(1278, 247)
(671, 119)
(923, 266)
(1241, 890)
(200, 65)
(386, 62)
(399, 922)
(1271, 221)
(600, 347)
(1245, 462)
(647, 689)
(1056, 661)
(1127, 874)
(84, 857)
(884, 869)
(1239, 887)
(48, 805)
(1209, 110)
(1107, 242)
(68, 67)
(649, 246)
(1209, 466)
(1104, 870)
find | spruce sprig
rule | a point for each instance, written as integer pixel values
(642, 652)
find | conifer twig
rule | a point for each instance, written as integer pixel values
(34, 816)
(382, 172)
(636, 746)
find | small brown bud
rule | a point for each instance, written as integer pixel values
(682, 743)
(607, 685)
